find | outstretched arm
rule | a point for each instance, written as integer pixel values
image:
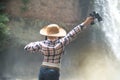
(73, 33)
(33, 46)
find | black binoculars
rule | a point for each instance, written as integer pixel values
(95, 15)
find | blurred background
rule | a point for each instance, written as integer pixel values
(93, 55)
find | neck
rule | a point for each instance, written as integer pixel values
(52, 38)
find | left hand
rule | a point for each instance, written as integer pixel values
(88, 21)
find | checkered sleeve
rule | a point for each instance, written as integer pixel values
(71, 35)
(33, 46)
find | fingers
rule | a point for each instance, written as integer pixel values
(88, 20)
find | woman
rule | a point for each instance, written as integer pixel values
(53, 47)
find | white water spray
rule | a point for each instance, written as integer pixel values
(110, 11)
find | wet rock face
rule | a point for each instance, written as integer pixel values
(26, 25)
(68, 11)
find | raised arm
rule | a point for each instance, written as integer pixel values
(76, 30)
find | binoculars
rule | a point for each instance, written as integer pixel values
(95, 15)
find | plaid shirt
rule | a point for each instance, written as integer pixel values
(52, 50)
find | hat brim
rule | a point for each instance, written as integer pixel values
(61, 33)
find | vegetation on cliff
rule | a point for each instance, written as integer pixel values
(3, 27)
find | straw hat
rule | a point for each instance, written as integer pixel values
(53, 30)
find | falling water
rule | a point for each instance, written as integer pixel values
(97, 66)
(110, 10)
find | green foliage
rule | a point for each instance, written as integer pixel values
(25, 1)
(3, 18)
(24, 7)
(3, 27)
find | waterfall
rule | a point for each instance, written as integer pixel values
(110, 11)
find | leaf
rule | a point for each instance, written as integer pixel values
(3, 18)
(2, 25)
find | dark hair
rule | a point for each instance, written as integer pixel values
(47, 37)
